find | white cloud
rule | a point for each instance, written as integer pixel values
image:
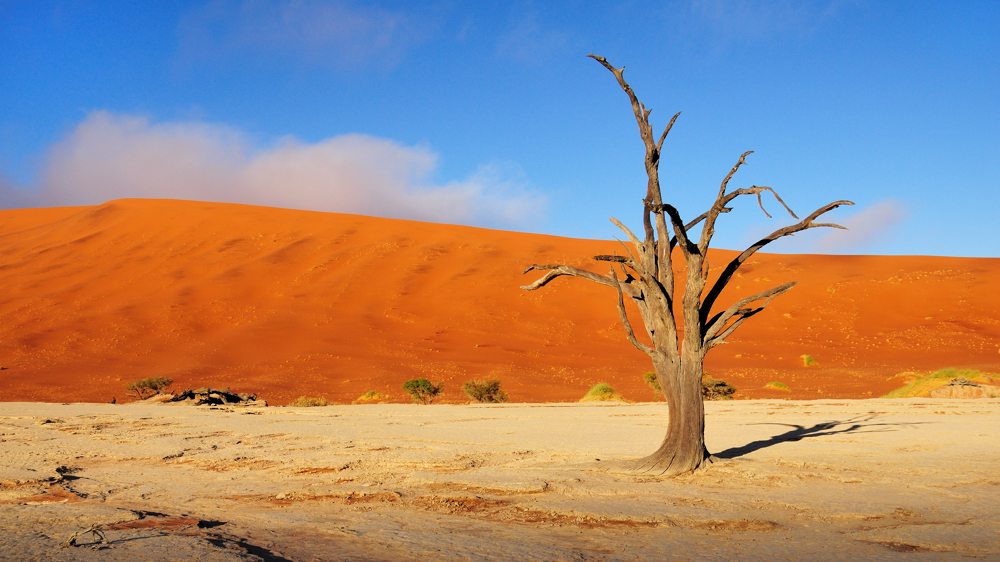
(327, 32)
(111, 156)
(866, 228)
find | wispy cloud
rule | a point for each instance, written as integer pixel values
(727, 22)
(330, 32)
(12, 197)
(111, 156)
(867, 228)
(528, 41)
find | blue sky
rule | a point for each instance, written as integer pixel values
(491, 115)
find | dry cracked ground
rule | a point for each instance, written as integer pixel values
(823, 480)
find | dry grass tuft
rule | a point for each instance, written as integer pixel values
(371, 396)
(602, 392)
(151, 385)
(922, 385)
(711, 388)
(487, 391)
(775, 385)
(305, 402)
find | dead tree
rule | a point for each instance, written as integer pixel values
(648, 279)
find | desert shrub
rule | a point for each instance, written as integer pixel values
(650, 379)
(775, 385)
(422, 390)
(711, 389)
(715, 389)
(306, 402)
(371, 396)
(923, 385)
(603, 392)
(151, 385)
(484, 391)
(808, 361)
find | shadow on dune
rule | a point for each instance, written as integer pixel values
(860, 424)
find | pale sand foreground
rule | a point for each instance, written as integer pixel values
(823, 480)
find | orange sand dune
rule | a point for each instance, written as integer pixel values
(289, 303)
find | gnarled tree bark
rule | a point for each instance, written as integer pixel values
(648, 279)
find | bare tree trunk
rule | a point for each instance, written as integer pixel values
(683, 448)
(649, 282)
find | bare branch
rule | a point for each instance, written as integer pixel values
(624, 316)
(702, 217)
(804, 224)
(659, 266)
(670, 125)
(713, 327)
(680, 230)
(741, 317)
(758, 190)
(641, 114)
(628, 276)
(721, 338)
(735, 264)
(632, 237)
(720, 203)
(639, 247)
(647, 278)
(560, 270)
(627, 251)
(742, 162)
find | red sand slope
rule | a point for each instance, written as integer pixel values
(289, 303)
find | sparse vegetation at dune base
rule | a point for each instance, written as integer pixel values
(306, 402)
(422, 390)
(779, 386)
(487, 391)
(144, 388)
(603, 392)
(371, 397)
(715, 389)
(919, 385)
(711, 389)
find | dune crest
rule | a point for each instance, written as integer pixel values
(287, 303)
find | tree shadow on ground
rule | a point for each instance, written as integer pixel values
(859, 424)
(218, 540)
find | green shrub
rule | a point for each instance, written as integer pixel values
(422, 390)
(484, 391)
(305, 402)
(602, 392)
(775, 385)
(808, 361)
(152, 385)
